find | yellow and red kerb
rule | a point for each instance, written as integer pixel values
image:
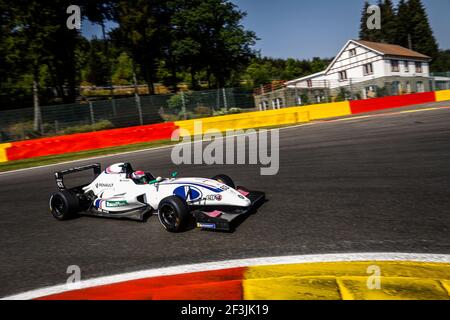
(305, 281)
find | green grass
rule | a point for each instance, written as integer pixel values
(40, 161)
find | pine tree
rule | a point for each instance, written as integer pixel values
(363, 30)
(403, 29)
(422, 37)
(389, 22)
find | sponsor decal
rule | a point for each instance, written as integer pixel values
(212, 197)
(104, 185)
(188, 193)
(206, 225)
(116, 204)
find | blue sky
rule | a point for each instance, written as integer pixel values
(314, 28)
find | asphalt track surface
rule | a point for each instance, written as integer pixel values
(378, 184)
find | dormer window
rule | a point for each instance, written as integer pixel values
(352, 52)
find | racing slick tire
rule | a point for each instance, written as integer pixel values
(173, 213)
(64, 205)
(225, 180)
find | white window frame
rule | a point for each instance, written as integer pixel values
(406, 63)
(343, 75)
(366, 68)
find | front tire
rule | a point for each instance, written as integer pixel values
(222, 178)
(173, 213)
(64, 205)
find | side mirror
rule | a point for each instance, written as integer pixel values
(174, 174)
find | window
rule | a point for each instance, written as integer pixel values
(420, 87)
(395, 88)
(352, 52)
(370, 92)
(406, 66)
(408, 87)
(367, 69)
(342, 75)
(299, 100)
(418, 67)
(309, 83)
(395, 66)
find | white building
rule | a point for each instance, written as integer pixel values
(366, 69)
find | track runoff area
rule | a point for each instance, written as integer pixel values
(358, 210)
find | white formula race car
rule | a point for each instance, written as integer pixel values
(116, 193)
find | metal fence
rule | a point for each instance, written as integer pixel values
(117, 113)
(305, 92)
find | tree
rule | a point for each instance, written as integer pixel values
(387, 33)
(141, 32)
(44, 42)
(404, 27)
(98, 64)
(422, 36)
(389, 22)
(100, 11)
(364, 32)
(208, 36)
(442, 62)
(122, 70)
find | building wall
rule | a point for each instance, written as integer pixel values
(353, 64)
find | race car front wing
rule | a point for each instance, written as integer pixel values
(226, 219)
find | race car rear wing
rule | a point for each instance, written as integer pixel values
(59, 176)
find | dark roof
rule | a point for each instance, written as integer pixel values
(392, 49)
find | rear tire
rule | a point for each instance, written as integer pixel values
(64, 205)
(173, 213)
(225, 180)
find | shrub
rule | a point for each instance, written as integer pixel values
(101, 125)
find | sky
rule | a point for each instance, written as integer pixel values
(303, 29)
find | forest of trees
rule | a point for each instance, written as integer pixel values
(157, 41)
(166, 41)
(407, 25)
(201, 43)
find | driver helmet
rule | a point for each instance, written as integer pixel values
(138, 175)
